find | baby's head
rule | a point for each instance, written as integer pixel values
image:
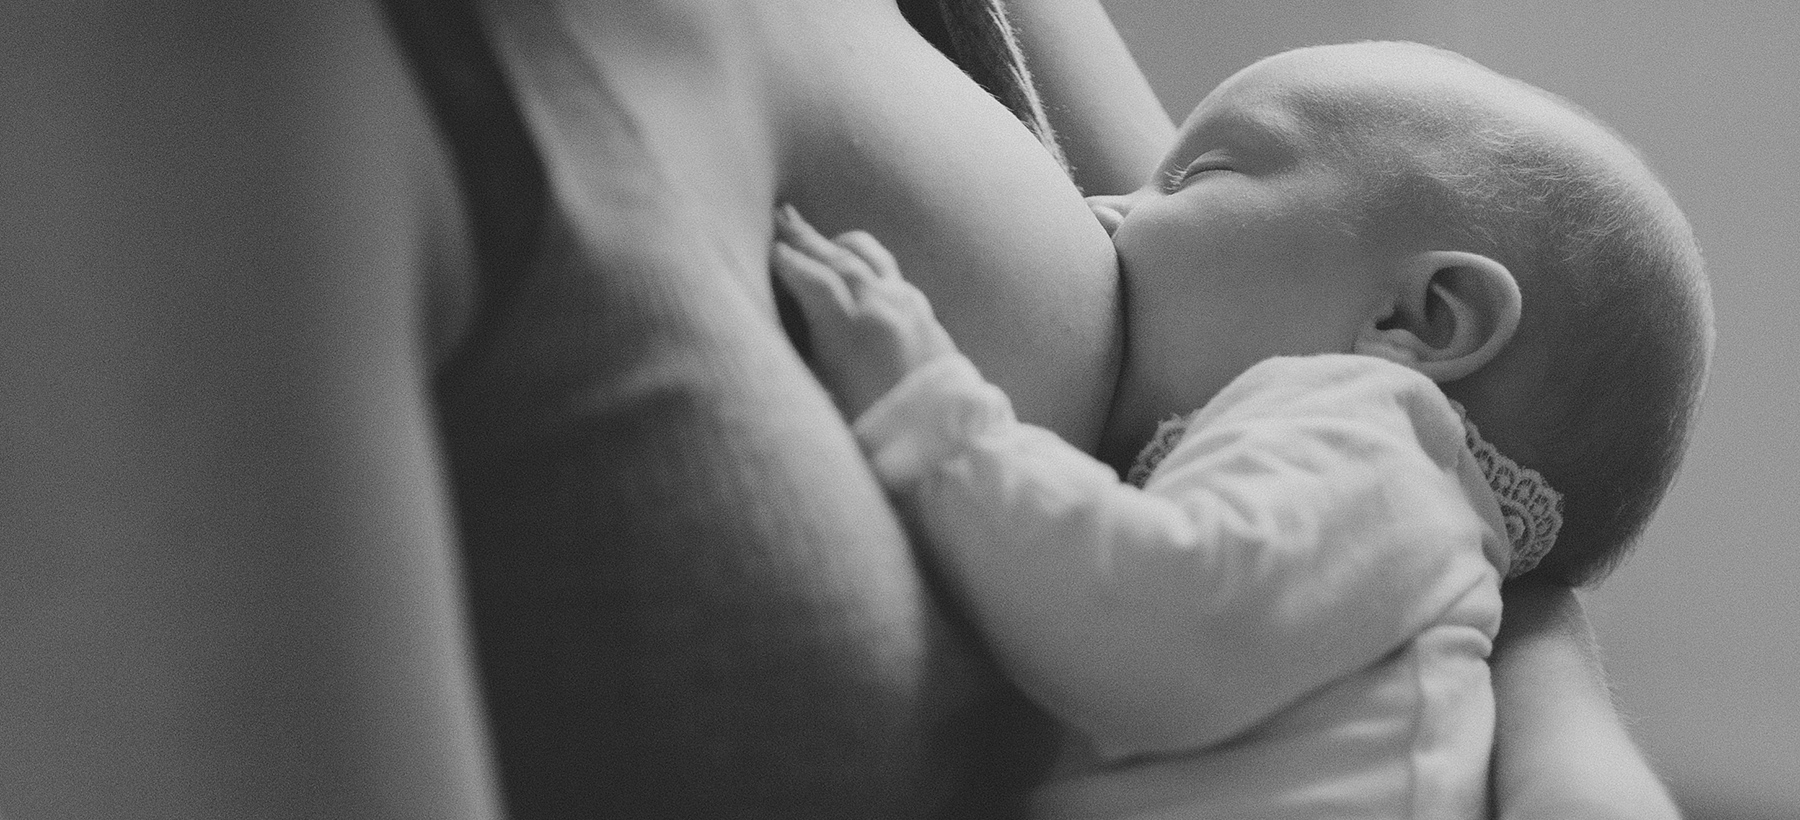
(1402, 201)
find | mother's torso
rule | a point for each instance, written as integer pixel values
(689, 594)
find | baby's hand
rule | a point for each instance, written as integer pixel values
(869, 327)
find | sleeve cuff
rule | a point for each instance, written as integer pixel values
(929, 417)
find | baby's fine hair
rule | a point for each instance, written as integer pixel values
(1613, 285)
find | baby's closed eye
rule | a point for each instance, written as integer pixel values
(1179, 176)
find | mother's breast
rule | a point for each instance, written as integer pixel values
(841, 108)
(879, 131)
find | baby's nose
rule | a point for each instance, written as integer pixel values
(1110, 210)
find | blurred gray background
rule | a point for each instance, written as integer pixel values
(1701, 627)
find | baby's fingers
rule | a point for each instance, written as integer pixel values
(820, 291)
(793, 229)
(871, 251)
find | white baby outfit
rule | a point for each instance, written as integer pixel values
(1291, 619)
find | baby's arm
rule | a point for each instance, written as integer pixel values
(1152, 621)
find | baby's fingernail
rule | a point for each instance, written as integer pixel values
(795, 219)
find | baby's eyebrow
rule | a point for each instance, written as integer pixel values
(1272, 122)
(1272, 125)
(1268, 133)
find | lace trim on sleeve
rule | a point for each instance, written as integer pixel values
(1530, 507)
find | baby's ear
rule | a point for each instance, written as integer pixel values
(1452, 314)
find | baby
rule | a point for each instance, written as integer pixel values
(1441, 328)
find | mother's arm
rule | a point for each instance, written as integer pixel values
(1562, 750)
(1108, 121)
(226, 575)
